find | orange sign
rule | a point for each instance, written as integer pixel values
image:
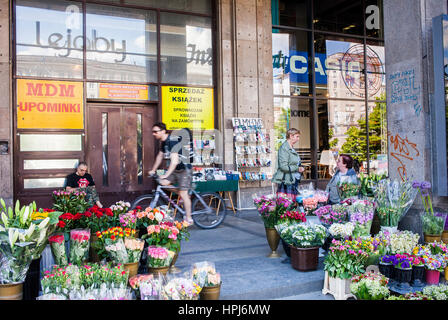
(123, 91)
(45, 104)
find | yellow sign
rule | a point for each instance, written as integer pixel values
(186, 107)
(49, 104)
(123, 91)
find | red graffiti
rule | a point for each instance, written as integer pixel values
(402, 149)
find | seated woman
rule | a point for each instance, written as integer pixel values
(344, 168)
(80, 179)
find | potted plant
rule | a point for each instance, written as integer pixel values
(433, 225)
(403, 271)
(418, 271)
(386, 266)
(370, 286)
(434, 264)
(288, 218)
(341, 263)
(361, 214)
(304, 240)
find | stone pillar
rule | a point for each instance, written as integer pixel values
(6, 164)
(409, 85)
(245, 67)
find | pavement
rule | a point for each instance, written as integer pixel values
(239, 249)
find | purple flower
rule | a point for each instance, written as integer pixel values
(416, 184)
(426, 185)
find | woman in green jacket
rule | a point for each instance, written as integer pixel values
(289, 171)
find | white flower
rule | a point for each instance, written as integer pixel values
(158, 216)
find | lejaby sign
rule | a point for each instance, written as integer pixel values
(45, 104)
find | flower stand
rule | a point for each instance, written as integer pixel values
(338, 288)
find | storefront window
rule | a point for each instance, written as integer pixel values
(347, 17)
(374, 18)
(49, 39)
(378, 136)
(121, 44)
(339, 67)
(291, 63)
(196, 6)
(292, 13)
(50, 142)
(376, 71)
(186, 49)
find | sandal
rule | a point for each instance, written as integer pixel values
(189, 221)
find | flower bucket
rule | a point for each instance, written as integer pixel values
(445, 236)
(132, 268)
(446, 273)
(11, 291)
(387, 269)
(173, 268)
(430, 238)
(304, 259)
(156, 270)
(273, 240)
(432, 277)
(210, 293)
(93, 254)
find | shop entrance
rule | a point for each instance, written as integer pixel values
(120, 149)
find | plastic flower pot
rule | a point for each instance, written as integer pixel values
(210, 293)
(403, 277)
(445, 236)
(418, 276)
(432, 277)
(286, 248)
(387, 269)
(304, 259)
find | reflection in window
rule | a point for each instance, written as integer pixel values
(186, 49)
(49, 39)
(139, 149)
(121, 44)
(198, 6)
(291, 63)
(281, 119)
(378, 136)
(105, 149)
(330, 15)
(43, 183)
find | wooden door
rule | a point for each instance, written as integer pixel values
(120, 150)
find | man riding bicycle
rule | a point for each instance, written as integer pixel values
(178, 172)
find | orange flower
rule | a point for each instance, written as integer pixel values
(112, 237)
(98, 234)
(121, 234)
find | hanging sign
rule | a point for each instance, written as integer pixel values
(49, 104)
(117, 91)
(187, 107)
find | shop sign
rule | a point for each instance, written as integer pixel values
(117, 91)
(49, 104)
(188, 107)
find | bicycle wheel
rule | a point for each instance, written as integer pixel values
(145, 200)
(209, 220)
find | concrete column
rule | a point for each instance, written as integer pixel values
(409, 82)
(6, 166)
(245, 66)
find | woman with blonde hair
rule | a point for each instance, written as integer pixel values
(289, 171)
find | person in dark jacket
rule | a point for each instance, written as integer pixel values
(345, 172)
(289, 171)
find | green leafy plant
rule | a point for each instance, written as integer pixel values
(343, 261)
(302, 235)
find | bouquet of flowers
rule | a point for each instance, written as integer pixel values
(57, 245)
(97, 219)
(183, 234)
(23, 236)
(393, 199)
(304, 235)
(432, 224)
(271, 208)
(205, 275)
(370, 286)
(134, 249)
(310, 204)
(68, 201)
(128, 220)
(79, 245)
(159, 257)
(163, 234)
(361, 214)
(402, 261)
(330, 214)
(347, 190)
(292, 216)
(119, 208)
(151, 288)
(148, 217)
(117, 250)
(434, 262)
(341, 230)
(180, 289)
(110, 236)
(344, 260)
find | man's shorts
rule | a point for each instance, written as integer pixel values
(181, 179)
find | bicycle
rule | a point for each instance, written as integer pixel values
(208, 209)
